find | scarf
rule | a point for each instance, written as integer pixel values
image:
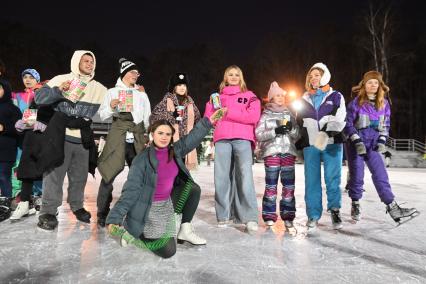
(191, 161)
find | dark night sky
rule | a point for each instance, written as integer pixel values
(129, 26)
(160, 35)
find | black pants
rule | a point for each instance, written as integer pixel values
(105, 189)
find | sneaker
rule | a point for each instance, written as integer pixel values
(311, 223)
(47, 222)
(355, 211)
(21, 211)
(336, 219)
(82, 215)
(269, 223)
(252, 226)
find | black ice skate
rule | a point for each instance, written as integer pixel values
(336, 219)
(47, 222)
(356, 211)
(83, 215)
(400, 214)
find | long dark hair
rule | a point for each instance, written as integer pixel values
(154, 127)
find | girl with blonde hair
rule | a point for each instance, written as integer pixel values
(234, 140)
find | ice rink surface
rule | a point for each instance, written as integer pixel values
(374, 250)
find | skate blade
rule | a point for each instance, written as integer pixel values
(408, 218)
(188, 243)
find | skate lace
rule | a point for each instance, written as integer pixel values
(389, 209)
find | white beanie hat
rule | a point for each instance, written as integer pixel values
(325, 79)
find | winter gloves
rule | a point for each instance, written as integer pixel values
(360, 148)
(381, 144)
(359, 145)
(39, 126)
(20, 125)
(283, 129)
(321, 140)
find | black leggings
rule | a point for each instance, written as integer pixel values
(26, 189)
(165, 251)
(191, 204)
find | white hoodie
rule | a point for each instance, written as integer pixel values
(141, 105)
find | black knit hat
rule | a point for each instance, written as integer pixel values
(177, 79)
(126, 66)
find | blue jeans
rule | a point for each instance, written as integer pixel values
(233, 177)
(332, 158)
(5, 178)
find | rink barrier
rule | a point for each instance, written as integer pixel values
(121, 232)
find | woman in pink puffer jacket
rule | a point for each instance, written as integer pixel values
(234, 140)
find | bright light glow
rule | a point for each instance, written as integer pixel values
(297, 105)
(292, 93)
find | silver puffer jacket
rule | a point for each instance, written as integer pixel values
(271, 144)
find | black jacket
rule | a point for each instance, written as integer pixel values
(52, 154)
(32, 145)
(9, 115)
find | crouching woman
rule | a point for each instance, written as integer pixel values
(158, 185)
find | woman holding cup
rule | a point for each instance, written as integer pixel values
(234, 140)
(178, 108)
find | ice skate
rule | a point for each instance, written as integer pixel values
(47, 222)
(356, 211)
(311, 224)
(336, 219)
(252, 227)
(401, 215)
(187, 234)
(23, 210)
(290, 228)
(83, 215)
(224, 223)
(269, 223)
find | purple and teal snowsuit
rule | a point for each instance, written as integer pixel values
(322, 111)
(370, 125)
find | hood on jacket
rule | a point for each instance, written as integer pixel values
(75, 62)
(7, 91)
